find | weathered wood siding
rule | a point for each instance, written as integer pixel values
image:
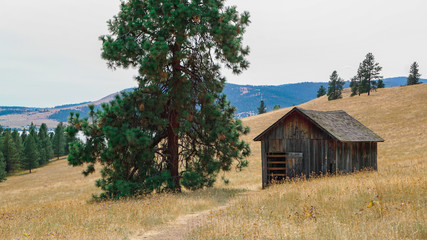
(264, 146)
(321, 153)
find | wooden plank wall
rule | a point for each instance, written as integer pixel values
(356, 156)
(264, 146)
(321, 153)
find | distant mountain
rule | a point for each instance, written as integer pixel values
(246, 98)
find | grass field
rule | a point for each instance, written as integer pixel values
(54, 201)
(388, 204)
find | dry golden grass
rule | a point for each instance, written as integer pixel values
(54, 201)
(388, 204)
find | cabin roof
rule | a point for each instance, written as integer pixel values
(338, 124)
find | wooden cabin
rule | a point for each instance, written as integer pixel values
(305, 142)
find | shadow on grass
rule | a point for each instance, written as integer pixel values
(218, 195)
(26, 172)
(221, 195)
(21, 173)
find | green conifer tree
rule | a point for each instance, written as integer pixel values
(321, 91)
(176, 129)
(369, 71)
(380, 84)
(31, 158)
(51, 135)
(276, 107)
(356, 82)
(262, 107)
(33, 132)
(414, 75)
(18, 144)
(335, 87)
(3, 172)
(24, 134)
(354, 85)
(46, 150)
(10, 153)
(59, 140)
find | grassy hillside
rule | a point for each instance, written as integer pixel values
(246, 98)
(54, 201)
(388, 204)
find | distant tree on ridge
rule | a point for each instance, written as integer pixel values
(335, 87)
(369, 71)
(380, 84)
(321, 91)
(262, 108)
(414, 75)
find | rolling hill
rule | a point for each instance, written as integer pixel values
(388, 204)
(53, 202)
(246, 98)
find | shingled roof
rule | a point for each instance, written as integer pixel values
(338, 124)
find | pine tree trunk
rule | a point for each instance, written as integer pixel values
(173, 162)
(369, 89)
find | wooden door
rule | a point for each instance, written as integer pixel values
(293, 164)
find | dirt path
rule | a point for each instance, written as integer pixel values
(178, 228)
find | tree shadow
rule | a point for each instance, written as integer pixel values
(220, 195)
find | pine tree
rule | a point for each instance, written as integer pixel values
(414, 75)
(369, 71)
(335, 87)
(276, 107)
(24, 135)
(356, 82)
(10, 153)
(31, 155)
(33, 132)
(354, 86)
(321, 91)
(380, 84)
(51, 135)
(3, 172)
(59, 140)
(68, 141)
(176, 129)
(18, 144)
(262, 107)
(46, 150)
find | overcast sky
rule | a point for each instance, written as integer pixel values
(50, 52)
